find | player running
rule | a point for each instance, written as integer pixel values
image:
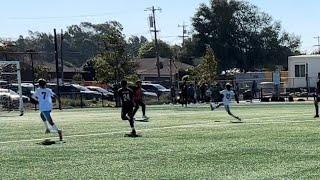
(138, 100)
(317, 99)
(44, 96)
(126, 96)
(227, 96)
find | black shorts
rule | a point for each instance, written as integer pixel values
(317, 99)
(139, 103)
(127, 110)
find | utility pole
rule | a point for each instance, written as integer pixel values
(31, 52)
(61, 57)
(318, 45)
(184, 32)
(56, 57)
(153, 25)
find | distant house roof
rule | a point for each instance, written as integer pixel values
(25, 61)
(52, 67)
(305, 56)
(147, 66)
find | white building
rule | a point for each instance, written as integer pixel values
(302, 70)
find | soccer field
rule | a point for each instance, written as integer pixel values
(278, 141)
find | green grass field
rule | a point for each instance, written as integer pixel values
(275, 142)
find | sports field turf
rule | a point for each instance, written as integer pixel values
(275, 142)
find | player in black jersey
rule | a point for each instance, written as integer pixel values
(317, 99)
(126, 96)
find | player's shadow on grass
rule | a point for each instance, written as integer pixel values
(237, 122)
(7, 116)
(48, 142)
(142, 120)
(133, 136)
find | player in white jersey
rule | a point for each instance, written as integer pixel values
(227, 97)
(44, 96)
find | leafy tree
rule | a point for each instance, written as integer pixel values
(148, 50)
(242, 36)
(134, 44)
(77, 78)
(89, 66)
(191, 49)
(207, 71)
(86, 43)
(109, 69)
(112, 64)
(41, 72)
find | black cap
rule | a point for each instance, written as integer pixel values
(42, 82)
(124, 83)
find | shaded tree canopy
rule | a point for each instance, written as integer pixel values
(134, 44)
(148, 50)
(80, 42)
(192, 48)
(242, 36)
(207, 71)
(113, 63)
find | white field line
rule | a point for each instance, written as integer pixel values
(194, 125)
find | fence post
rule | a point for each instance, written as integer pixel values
(81, 101)
(102, 99)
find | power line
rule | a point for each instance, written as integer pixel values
(75, 16)
(169, 36)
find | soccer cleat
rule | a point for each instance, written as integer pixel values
(60, 135)
(145, 117)
(133, 132)
(47, 131)
(316, 116)
(212, 107)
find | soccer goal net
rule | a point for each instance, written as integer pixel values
(11, 98)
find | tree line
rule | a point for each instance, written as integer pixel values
(236, 34)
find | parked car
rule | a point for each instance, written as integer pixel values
(155, 88)
(149, 94)
(268, 89)
(11, 99)
(105, 93)
(88, 94)
(146, 93)
(27, 88)
(73, 90)
(3, 83)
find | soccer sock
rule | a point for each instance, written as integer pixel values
(54, 129)
(143, 109)
(317, 108)
(46, 124)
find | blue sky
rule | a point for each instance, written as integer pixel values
(17, 16)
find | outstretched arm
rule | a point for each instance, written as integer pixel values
(35, 95)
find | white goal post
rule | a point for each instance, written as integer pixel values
(10, 73)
